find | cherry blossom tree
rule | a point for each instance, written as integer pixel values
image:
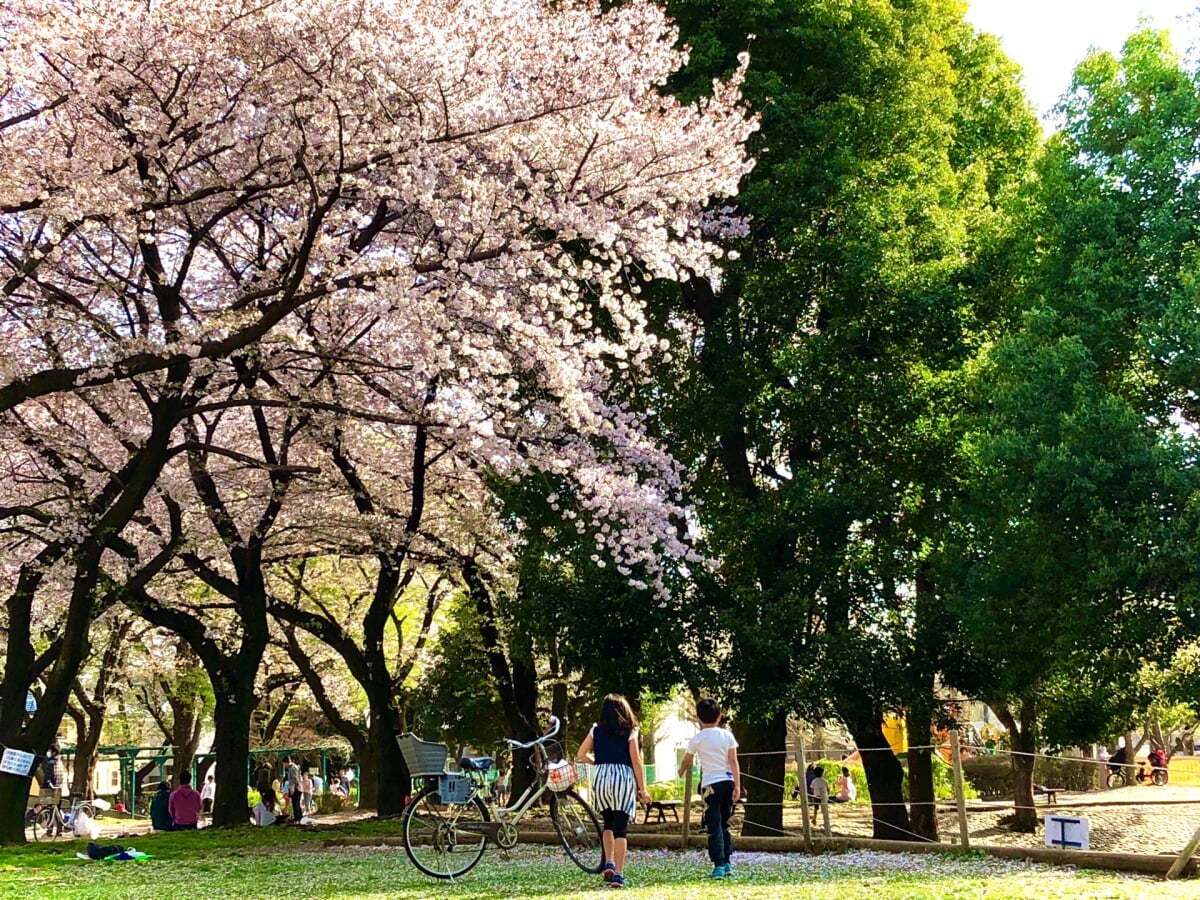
(480, 185)
(73, 544)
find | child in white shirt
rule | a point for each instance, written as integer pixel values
(720, 781)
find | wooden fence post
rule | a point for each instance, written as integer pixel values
(803, 788)
(960, 799)
(687, 804)
(1182, 859)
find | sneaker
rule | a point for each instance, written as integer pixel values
(618, 881)
(718, 872)
(728, 870)
(609, 871)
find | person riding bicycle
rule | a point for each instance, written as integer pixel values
(1158, 761)
(1117, 761)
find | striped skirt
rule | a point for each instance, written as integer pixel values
(613, 788)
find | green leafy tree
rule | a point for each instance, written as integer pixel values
(1070, 543)
(809, 388)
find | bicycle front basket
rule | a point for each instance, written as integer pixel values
(561, 775)
(422, 757)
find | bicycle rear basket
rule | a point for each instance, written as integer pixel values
(422, 757)
(454, 788)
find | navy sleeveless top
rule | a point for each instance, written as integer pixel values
(610, 748)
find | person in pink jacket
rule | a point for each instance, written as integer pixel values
(185, 804)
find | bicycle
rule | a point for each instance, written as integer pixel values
(447, 825)
(1120, 777)
(50, 821)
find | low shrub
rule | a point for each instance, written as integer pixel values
(1064, 772)
(329, 802)
(668, 790)
(943, 780)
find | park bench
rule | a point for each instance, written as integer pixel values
(662, 807)
(1050, 793)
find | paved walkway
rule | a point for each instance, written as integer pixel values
(1148, 820)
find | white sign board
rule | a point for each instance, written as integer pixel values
(17, 762)
(1067, 832)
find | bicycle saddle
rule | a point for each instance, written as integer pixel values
(475, 764)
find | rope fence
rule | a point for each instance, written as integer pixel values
(967, 811)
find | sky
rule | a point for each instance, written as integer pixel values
(1047, 38)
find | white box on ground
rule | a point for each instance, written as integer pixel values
(1066, 832)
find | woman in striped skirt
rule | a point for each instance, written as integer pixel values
(619, 780)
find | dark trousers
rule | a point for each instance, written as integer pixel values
(718, 807)
(296, 813)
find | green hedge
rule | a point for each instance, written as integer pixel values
(992, 776)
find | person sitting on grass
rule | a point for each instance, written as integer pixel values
(266, 811)
(846, 790)
(185, 804)
(160, 808)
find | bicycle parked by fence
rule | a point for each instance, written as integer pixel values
(447, 825)
(49, 822)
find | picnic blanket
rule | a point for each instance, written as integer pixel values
(111, 852)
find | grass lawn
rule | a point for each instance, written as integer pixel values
(273, 863)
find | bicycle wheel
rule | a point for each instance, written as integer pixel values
(87, 809)
(1117, 779)
(444, 840)
(579, 830)
(45, 823)
(1160, 777)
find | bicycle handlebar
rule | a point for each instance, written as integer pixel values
(517, 745)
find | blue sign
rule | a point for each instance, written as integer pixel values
(30, 702)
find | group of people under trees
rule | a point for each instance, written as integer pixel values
(817, 788)
(181, 809)
(294, 798)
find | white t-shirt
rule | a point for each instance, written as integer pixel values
(208, 791)
(710, 747)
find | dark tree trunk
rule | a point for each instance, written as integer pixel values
(885, 778)
(274, 720)
(762, 775)
(368, 774)
(86, 748)
(186, 741)
(14, 797)
(922, 812)
(1022, 736)
(525, 726)
(231, 744)
(393, 784)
